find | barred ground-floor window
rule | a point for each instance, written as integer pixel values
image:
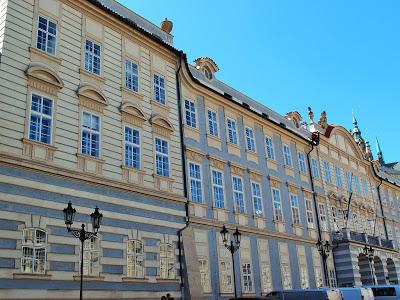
(91, 257)
(247, 278)
(135, 259)
(225, 273)
(34, 244)
(204, 275)
(167, 261)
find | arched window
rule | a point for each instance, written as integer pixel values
(134, 255)
(34, 245)
(207, 73)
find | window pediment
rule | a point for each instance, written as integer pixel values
(44, 78)
(132, 113)
(161, 125)
(92, 98)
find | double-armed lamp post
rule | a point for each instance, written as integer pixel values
(369, 253)
(82, 234)
(232, 247)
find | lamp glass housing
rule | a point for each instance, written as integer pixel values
(224, 234)
(69, 214)
(237, 235)
(96, 217)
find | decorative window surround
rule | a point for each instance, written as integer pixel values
(92, 98)
(43, 78)
(133, 114)
(161, 126)
(37, 150)
(38, 54)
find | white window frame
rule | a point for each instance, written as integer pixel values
(159, 89)
(250, 140)
(133, 145)
(190, 114)
(47, 33)
(133, 78)
(287, 156)
(167, 261)
(165, 172)
(41, 116)
(92, 56)
(231, 131)
(278, 213)
(135, 259)
(213, 130)
(92, 132)
(269, 148)
(247, 277)
(256, 198)
(219, 186)
(34, 262)
(309, 213)
(295, 209)
(91, 256)
(196, 181)
(302, 162)
(238, 195)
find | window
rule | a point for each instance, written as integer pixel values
(46, 35)
(135, 259)
(250, 139)
(287, 156)
(207, 73)
(269, 148)
(40, 119)
(204, 277)
(132, 147)
(309, 213)
(91, 257)
(238, 194)
(322, 216)
(357, 185)
(91, 134)
(315, 168)
(276, 195)
(232, 133)
(218, 189)
(190, 113)
(256, 195)
(167, 261)
(349, 180)
(131, 75)
(302, 162)
(365, 186)
(338, 177)
(247, 278)
(266, 278)
(212, 122)
(226, 276)
(92, 57)
(295, 209)
(159, 88)
(328, 176)
(34, 244)
(335, 219)
(195, 182)
(162, 160)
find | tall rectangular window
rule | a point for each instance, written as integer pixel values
(226, 276)
(34, 245)
(204, 277)
(338, 177)
(294, 203)
(322, 216)
(218, 189)
(247, 278)
(190, 113)
(91, 134)
(365, 186)
(131, 75)
(46, 35)
(91, 257)
(287, 156)
(257, 199)
(302, 162)
(349, 181)
(251, 146)
(232, 133)
(212, 122)
(159, 88)
(135, 259)
(92, 57)
(276, 196)
(315, 168)
(195, 182)
(132, 147)
(357, 185)
(269, 145)
(309, 213)
(167, 261)
(162, 158)
(327, 167)
(238, 194)
(40, 123)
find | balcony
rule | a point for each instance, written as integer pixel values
(345, 235)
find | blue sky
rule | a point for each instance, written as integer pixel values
(336, 56)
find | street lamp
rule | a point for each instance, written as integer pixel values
(82, 234)
(232, 248)
(324, 250)
(369, 253)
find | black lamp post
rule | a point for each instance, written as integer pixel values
(232, 249)
(82, 234)
(324, 250)
(369, 253)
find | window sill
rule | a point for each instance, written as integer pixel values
(38, 150)
(187, 127)
(134, 279)
(136, 95)
(163, 182)
(88, 278)
(132, 175)
(279, 222)
(98, 78)
(89, 163)
(45, 55)
(233, 145)
(213, 137)
(288, 167)
(262, 217)
(168, 280)
(159, 107)
(34, 276)
(227, 295)
(297, 226)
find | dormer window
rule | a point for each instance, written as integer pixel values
(207, 73)
(207, 66)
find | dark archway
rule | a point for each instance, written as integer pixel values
(365, 270)
(379, 271)
(392, 273)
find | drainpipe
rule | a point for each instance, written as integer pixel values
(316, 143)
(381, 205)
(183, 160)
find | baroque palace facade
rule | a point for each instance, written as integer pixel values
(99, 109)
